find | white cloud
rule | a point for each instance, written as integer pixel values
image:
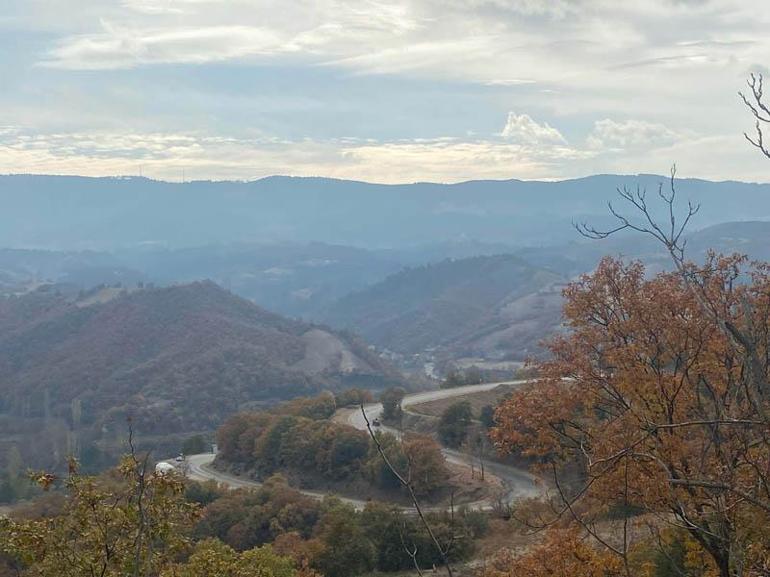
(608, 134)
(165, 155)
(125, 48)
(201, 156)
(522, 129)
(165, 6)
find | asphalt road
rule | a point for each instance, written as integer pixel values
(517, 482)
(199, 469)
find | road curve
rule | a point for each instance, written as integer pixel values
(199, 469)
(517, 482)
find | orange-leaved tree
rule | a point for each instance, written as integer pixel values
(656, 401)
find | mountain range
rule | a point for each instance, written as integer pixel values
(77, 213)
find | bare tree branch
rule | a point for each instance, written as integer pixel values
(761, 112)
(406, 482)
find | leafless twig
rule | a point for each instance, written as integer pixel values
(406, 482)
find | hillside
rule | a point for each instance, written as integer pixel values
(749, 237)
(22, 270)
(175, 360)
(495, 307)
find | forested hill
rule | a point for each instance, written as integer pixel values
(174, 359)
(489, 306)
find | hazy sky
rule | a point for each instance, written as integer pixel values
(440, 90)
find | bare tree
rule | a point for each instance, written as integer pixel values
(755, 102)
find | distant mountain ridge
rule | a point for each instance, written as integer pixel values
(108, 213)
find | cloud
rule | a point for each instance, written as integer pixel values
(630, 135)
(125, 48)
(165, 6)
(618, 83)
(522, 129)
(165, 155)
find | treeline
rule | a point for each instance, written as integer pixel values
(298, 437)
(329, 536)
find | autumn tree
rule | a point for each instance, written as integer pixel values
(562, 553)
(131, 522)
(425, 463)
(132, 526)
(658, 398)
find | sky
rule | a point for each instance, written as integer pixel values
(382, 91)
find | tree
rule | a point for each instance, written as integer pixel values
(379, 472)
(454, 422)
(454, 378)
(213, 558)
(487, 416)
(458, 378)
(660, 394)
(659, 408)
(426, 464)
(562, 553)
(347, 452)
(391, 403)
(347, 550)
(441, 548)
(195, 445)
(132, 528)
(353, 397)
(476, 443)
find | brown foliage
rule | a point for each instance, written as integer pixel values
(563, 553)
(661, 407)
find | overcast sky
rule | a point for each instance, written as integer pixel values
(419, 90)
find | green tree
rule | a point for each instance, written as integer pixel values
(391, 403)
(378, 471)
(454, 423)
(353, 397)
(212, 558)
(195, 445)
(347, 550)
(487, 416)
(454, 378)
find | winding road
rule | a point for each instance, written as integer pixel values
(517, 482)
